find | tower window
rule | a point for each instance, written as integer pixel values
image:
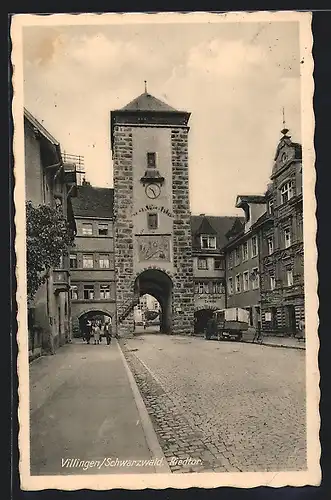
(152, 221)
(151, 160)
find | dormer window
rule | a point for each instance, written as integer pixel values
(151, 160)
(208, 242)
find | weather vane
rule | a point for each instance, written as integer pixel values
(285, 130)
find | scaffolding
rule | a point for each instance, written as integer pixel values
(78, 160)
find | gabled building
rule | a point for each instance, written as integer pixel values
(92, 265)
(208, 239)
(49, 181)
(264, 255)
(282, 275)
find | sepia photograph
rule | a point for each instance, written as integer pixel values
(166, 256)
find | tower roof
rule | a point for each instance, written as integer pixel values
(147, 102)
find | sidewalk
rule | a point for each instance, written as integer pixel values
(272, 340)
(275, 340)
(84, 405)
(289, 342)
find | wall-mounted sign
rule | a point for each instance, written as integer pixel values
(154, 247)
(149, 208)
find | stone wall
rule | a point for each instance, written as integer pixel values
(123, 230)
(183, 285)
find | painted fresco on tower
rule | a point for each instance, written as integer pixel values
(154, 247)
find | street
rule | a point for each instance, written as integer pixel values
(235, 406)
(224, 406)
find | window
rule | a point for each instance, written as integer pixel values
(88, 292)
(218, 264)
(287, 191)
(255, 278)
(245, 251)
(203, 287)
(230, 260)
(73, 261)
(88, 261)
(270, 242)
(289, 275)
(236, 257)
(202, 263)
(287, 237)
(87, 229)
(151, 160)
(103, 229)
(208, 241)
(230, 286)
(104, 291)
(246, 281)
(238, 284)
(104, 261)
(272, 282)
(254, 246)
(217, 287)
(271, 207)
(152, 222)
(74, 292)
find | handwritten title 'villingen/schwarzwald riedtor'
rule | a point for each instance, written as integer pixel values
(71, 463)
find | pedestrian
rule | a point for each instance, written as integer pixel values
(258, 333)
(301, 327)
(96, 333)
(108, 333)
(88, 331)
(102, 331)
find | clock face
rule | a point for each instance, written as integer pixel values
(153, 191)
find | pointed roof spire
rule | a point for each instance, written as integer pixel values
(284, 130)
(145, 82)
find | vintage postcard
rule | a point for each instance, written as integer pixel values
(166, 256)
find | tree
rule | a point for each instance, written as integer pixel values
(48, 237)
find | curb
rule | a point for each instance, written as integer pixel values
(284, 346)
(150, 435)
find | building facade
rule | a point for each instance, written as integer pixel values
(92, 265)
(243, 256)
(49, 181)
(208, 239)
(264, 256)
(282, 274)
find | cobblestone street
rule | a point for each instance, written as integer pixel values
(229, 406)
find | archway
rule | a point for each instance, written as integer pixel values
(201, 318)
(91, 316)
(159, 285)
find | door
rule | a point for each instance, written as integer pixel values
(291, 319)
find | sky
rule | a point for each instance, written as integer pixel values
(234, 78)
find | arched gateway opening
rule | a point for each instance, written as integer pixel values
(201, 318)
(159, 285)
(92, 316)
